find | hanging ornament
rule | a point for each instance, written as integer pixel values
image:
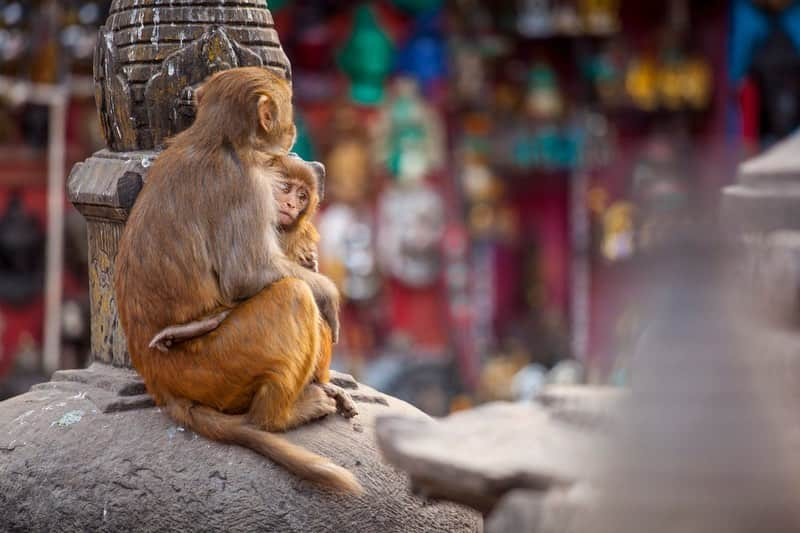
(424, 56)
(410, 231)
(565, 18)
(366, 58)
(409, 135)
(670, 85)
(606, 70)
(543, 101)
(469, 78)
(600, 17)
(697, 83)
(641, 83)
(347, 251)
(347, 167)
(535, 18)
(484, 193)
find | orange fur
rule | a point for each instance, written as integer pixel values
(301, 238)
(202, 238)
(298, 241)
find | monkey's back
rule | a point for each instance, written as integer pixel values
(164, 273)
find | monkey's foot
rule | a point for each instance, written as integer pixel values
(314, 403)
(344, 403)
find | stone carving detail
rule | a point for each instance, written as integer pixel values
(151, 53)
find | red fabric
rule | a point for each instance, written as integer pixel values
(749, 99)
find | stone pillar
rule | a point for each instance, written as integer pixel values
(150, 56)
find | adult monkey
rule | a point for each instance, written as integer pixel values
(202, 238)
(299, 187)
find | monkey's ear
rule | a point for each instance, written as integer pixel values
(198, 94)
(267, 111)
(319, 172)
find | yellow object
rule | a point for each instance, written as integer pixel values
(671, 85)
(600, 17)
(618, 231)
(640, 82)
(697, 83)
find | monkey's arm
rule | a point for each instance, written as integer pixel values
(247, 254)
(325, 293)
(168, 336)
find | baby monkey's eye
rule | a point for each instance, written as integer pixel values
(285, 186)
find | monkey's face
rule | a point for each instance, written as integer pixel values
(292, 197)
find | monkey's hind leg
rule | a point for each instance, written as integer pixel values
(272, 412)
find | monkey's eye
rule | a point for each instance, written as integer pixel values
(285, 187)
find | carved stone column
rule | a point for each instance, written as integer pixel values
(150, 56)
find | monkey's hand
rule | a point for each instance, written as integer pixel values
(168, 336)
(344, 403)
(309, 260)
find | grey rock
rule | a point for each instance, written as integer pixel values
(88, 452)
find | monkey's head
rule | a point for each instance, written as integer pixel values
(298, 189)
(249, 106)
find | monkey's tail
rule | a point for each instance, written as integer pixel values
(234, 429)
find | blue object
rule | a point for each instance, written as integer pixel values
(424, 55)
(750, 27)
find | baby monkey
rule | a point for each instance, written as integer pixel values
(298, 190)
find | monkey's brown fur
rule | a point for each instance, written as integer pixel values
(202, 238)
(299, 242)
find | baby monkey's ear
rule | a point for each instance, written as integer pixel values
(319, 172)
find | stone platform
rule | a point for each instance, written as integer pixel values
(88, 451)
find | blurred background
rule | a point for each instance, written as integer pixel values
(501, 176)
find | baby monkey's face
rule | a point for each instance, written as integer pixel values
(292, 197)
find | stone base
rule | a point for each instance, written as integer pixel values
(89, 452)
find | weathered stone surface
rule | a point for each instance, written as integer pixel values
(100, 186)
(475, 457)
(70, 462)
(767, 195)
(778, 165)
